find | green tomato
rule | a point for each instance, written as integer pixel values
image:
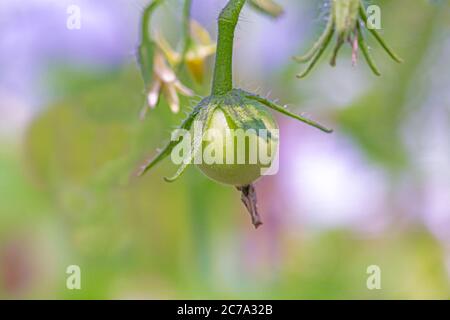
(239, 143)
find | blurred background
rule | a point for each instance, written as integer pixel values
(375, 192)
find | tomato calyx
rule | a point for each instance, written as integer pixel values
(347, 20)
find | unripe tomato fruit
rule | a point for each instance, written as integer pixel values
(253, 119)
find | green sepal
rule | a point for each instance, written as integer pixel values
(319, 44)
(321, 50)
(283, 110)
(204, 116)
(240, 112)
(377, 36)
(365, 50)
(186, 125)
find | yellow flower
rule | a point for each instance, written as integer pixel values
(166, 82)
(200, 48)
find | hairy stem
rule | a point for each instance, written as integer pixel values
(228, 18)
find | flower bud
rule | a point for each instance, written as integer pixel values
(346, 20)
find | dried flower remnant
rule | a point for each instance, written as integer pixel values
(346, 21)
(199, 48)
(248, 198)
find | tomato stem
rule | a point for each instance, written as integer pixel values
(223, 76)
